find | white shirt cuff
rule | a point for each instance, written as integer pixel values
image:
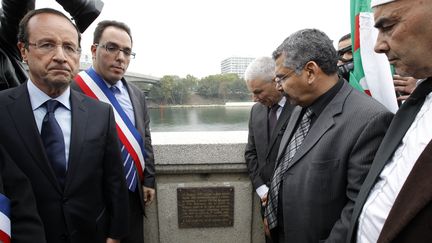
(262, 190)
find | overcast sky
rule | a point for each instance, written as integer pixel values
(180, 37)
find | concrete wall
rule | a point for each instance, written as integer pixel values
(201, 159)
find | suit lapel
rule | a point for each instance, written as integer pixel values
(323, 123)
(288, 131)
(136, 104)
(262, 122)
(284, 116)
(415, 194)
(79, 124)
(397, 129)
(28, 131)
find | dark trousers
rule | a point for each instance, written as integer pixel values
(136, 225)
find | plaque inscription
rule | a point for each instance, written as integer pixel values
(201, 207)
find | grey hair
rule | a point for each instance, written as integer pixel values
(308, 45)
(262, 68)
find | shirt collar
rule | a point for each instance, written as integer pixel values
(38, 97)
(282, 101)
(119, 84)
(319, 104)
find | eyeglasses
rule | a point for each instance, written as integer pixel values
(280, 80)
(115, 50)
(49, 47)
(343, 51)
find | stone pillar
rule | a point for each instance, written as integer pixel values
(202, 160)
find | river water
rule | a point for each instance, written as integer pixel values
(207, 118)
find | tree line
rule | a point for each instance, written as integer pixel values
(174, 90)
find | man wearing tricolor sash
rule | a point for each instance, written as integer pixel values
(111, 52)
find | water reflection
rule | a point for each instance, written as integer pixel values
(214, 118)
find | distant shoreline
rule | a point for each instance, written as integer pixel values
(227, 104)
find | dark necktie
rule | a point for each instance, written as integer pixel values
(272, 119)
(53, 140)
(294, 144)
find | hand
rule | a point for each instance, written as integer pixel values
(266, 228)
(111, 240)
(149, 195)
(264, 200)
(404, 86)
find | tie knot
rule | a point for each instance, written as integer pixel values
(308, 113)
(114, 89)
(52, 105)
(275, 107)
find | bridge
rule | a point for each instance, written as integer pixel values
(138, 78)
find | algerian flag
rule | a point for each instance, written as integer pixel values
(372, 73)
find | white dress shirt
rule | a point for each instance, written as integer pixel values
(383, 195)
(124, 100)
(62, 113)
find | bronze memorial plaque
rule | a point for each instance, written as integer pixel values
(201, 207)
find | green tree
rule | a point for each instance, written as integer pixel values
(224, 86)
(173, 90)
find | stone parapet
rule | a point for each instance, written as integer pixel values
(201, 160)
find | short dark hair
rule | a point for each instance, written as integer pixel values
(101, 26)
(23, 32)
(345, 37)
(308, 45)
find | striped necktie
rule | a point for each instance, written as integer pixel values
(294, 144)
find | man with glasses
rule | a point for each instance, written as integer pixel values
(404, 86)
(328, 145)
(112, 52)
(64, 142)
(345, 62)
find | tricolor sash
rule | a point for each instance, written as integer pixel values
(94, 86)
(5, 224)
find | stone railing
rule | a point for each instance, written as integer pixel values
(203, 190)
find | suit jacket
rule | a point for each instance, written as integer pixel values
(261, 149)
(409, 219)
(92, 204)
(26, 225)
(327, 171)
(142, 124)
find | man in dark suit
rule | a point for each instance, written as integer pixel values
(112, 51)
(25, 223)
(328, 145)
(65, 142)
(267, 122)
(394, 204)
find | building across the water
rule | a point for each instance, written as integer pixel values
(235, 65)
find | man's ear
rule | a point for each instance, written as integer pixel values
(22, 49)
(93, 49)
(312, 69)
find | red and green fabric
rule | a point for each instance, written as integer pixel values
(372, 73)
